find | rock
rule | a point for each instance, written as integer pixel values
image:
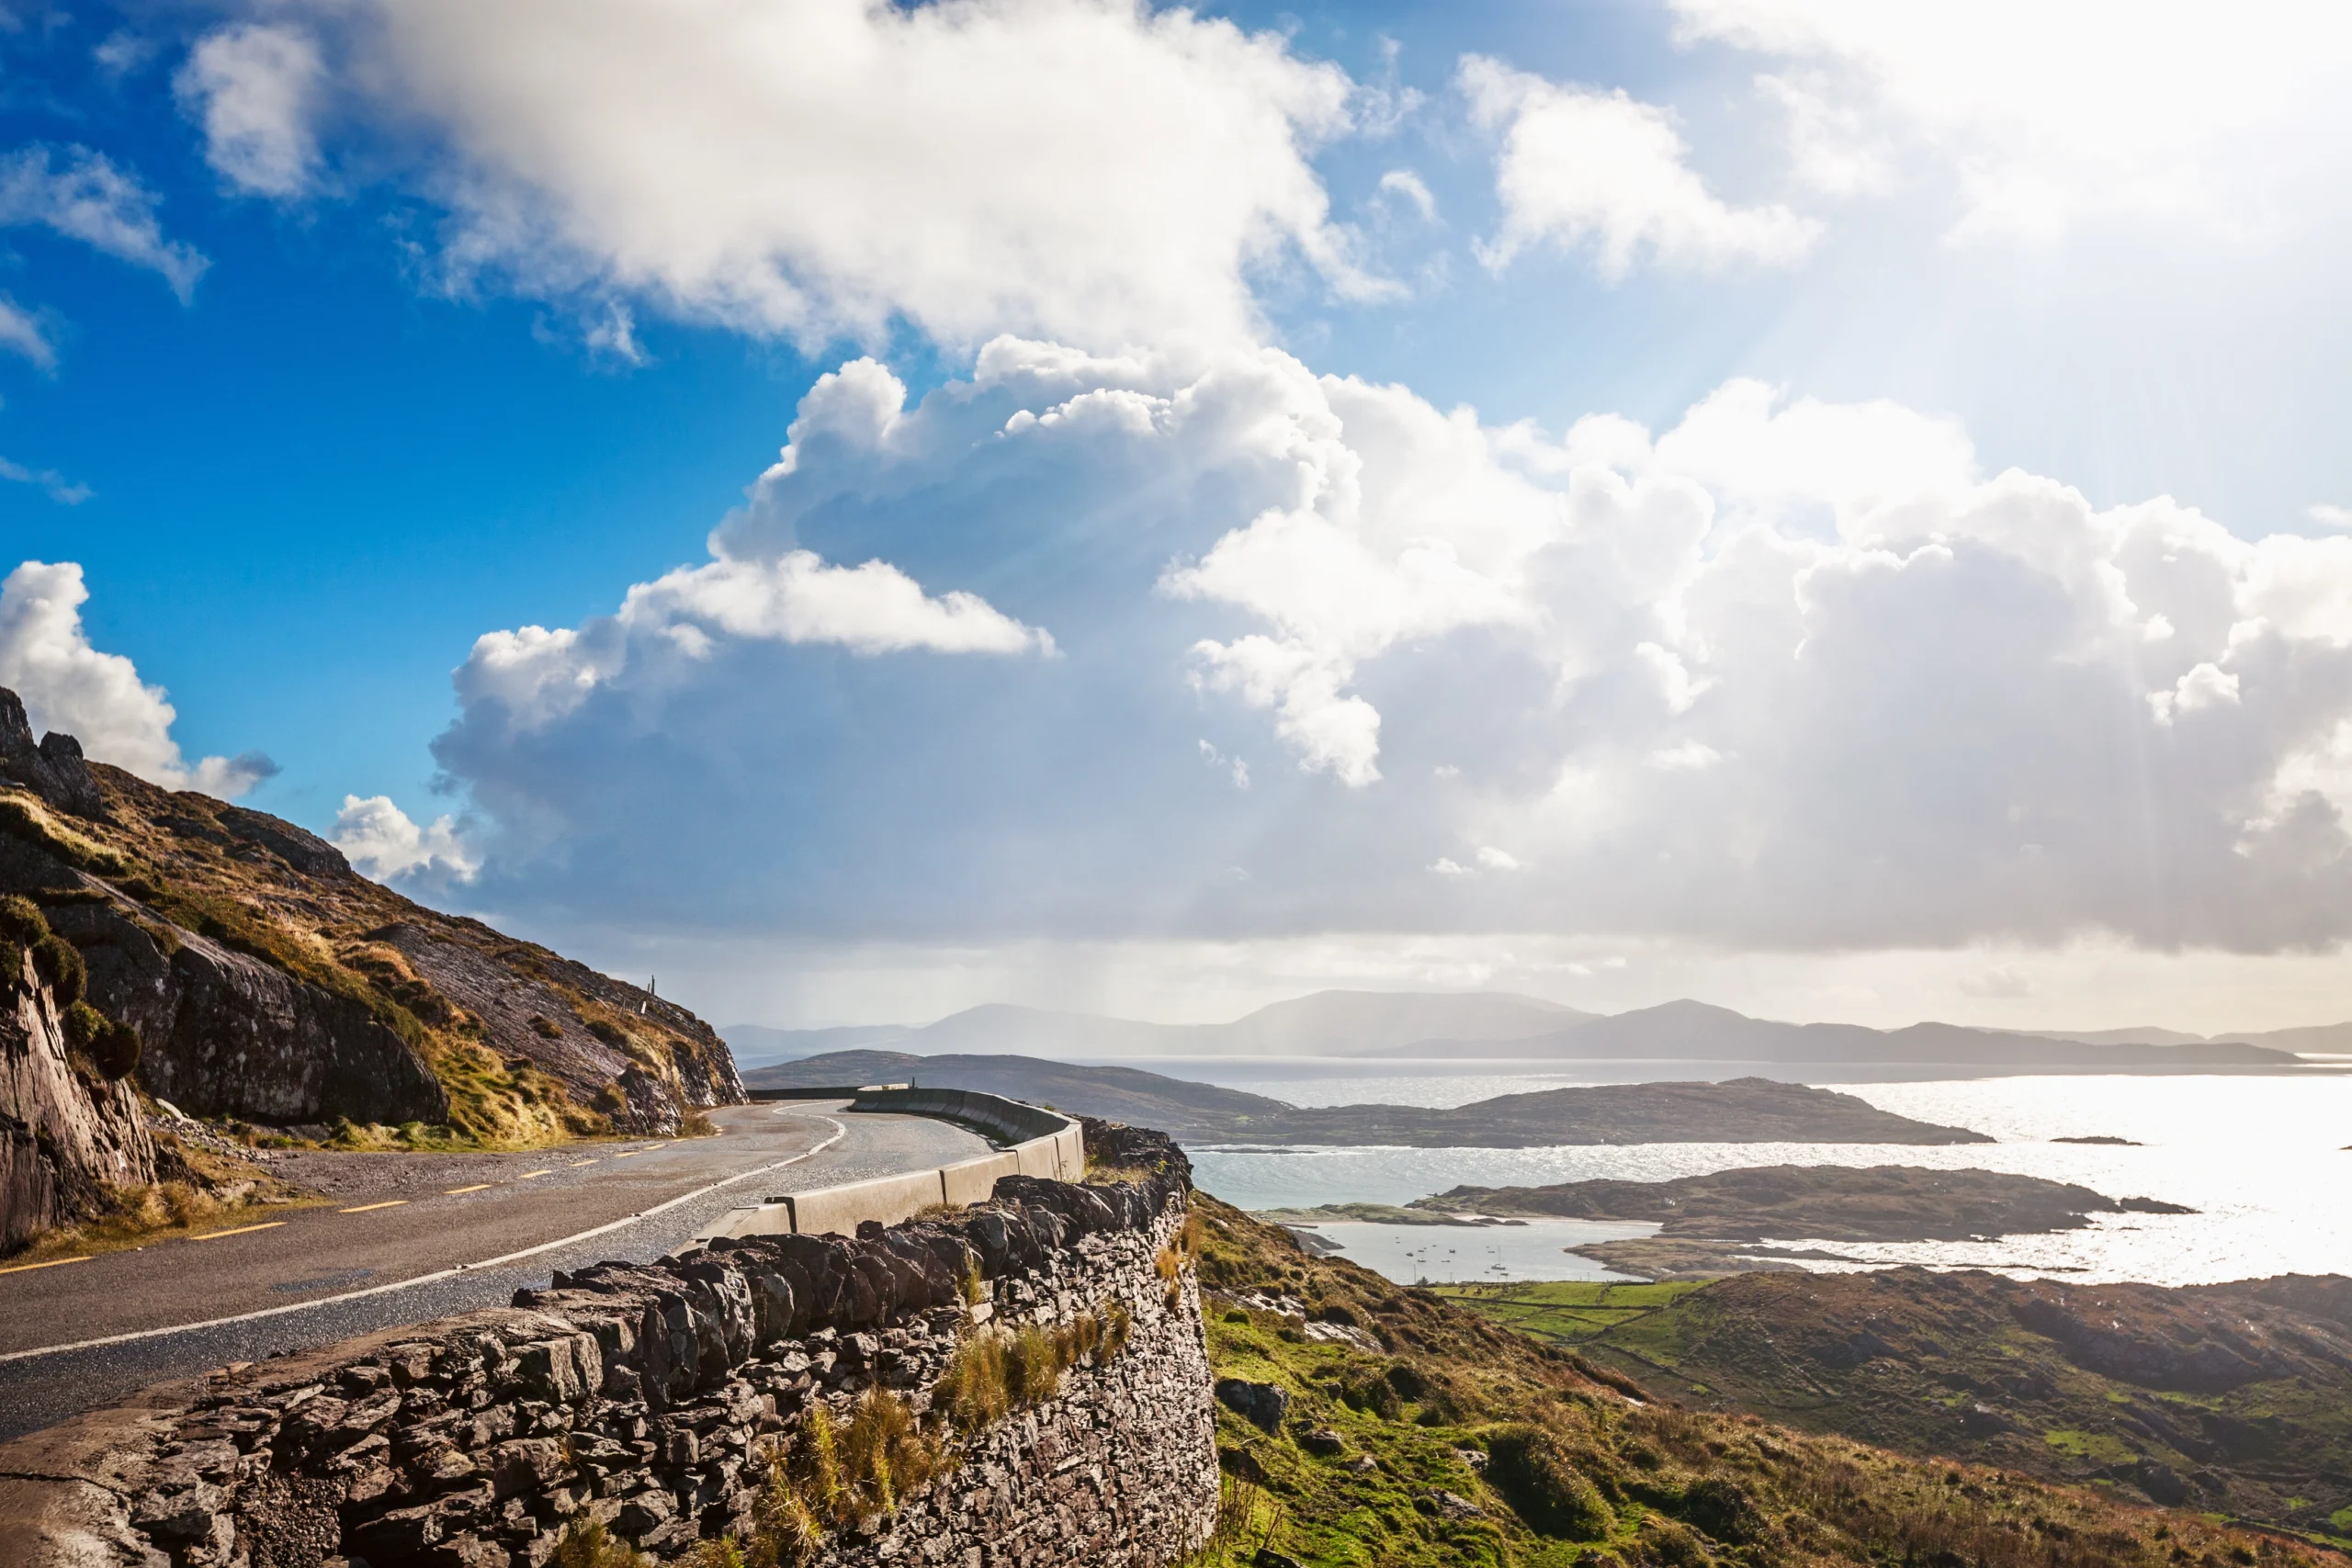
(1323, 1441)
(63, 1139)
(53, 769)
(1981, 1420)
(2162, 1484)
(1267, 1557)
(179, 1513)
(1263, 1404)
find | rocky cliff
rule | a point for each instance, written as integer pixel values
(67, 1132)
(267, 980)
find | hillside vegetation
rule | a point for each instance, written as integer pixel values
(263, 980)
(1408, 1431)
(2233, 1398)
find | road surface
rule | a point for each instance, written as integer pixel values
(406, 1237)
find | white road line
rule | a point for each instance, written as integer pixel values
(839, 1132)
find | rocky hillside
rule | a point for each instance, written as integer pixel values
(265, 980)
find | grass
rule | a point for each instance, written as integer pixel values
(1564, 1312)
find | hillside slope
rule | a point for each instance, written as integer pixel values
(267, 980)
(1363, 1424)
(2234, 1397)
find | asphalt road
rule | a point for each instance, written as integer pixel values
(406, 1237)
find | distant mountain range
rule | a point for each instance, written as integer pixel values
(1500, 1025)
(1328, 1023)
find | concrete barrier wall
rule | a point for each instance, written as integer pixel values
(892, 1199)
(1050, 1145)
(974, 1180)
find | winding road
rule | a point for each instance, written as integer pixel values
(406, 1237)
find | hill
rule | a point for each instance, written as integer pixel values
(1181, 1109)
(267, 980)
(1362, 1423)
(2233, 1398)
(1745, 1110)
(1691, 1031)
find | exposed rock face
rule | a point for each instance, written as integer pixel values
(267, 980)
(62, 1132)
(648, 1397)
(53, 769)
(585, 1054)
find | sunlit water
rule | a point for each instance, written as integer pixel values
(1537, 1250)
(2261, 1159)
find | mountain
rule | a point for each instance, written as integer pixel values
(756, 1043)
(1328, 1023)
(1688, 1031)
(1745, 1110)
(265, 979)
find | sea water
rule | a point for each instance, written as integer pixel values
(2262, 1160)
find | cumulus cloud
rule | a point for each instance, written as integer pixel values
(256, 88)
(1786, 672)
(1091, 169)
(382, 842)
(66, 684)
(2037, 115)
(1600, 171)
(81, 195)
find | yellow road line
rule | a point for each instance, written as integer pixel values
(534, 1175)
(578, 1162)
(625, 1154)
(241, 1230)
(371, 1208)
(52, 1263)
(476, 1186)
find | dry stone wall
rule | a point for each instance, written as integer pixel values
(648, 1397)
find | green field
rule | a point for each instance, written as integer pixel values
(1564, 1311)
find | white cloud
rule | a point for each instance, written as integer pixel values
(1494, 858)
(382, 842)
(1586, 169)
(1413, 188)
(98, 698)
(1445, 867)
(2040, 114)
(2337, 518)
(1095, 169)
(1785, 672)
(539, 675)
(86, 197)
(257, 88)
(21, 334)
(61, 489)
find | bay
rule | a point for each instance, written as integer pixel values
(2260, 1159)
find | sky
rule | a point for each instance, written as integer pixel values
(861, 511)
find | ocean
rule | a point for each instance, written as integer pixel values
(2261, 1158)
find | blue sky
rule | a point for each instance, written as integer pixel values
(488, 331)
